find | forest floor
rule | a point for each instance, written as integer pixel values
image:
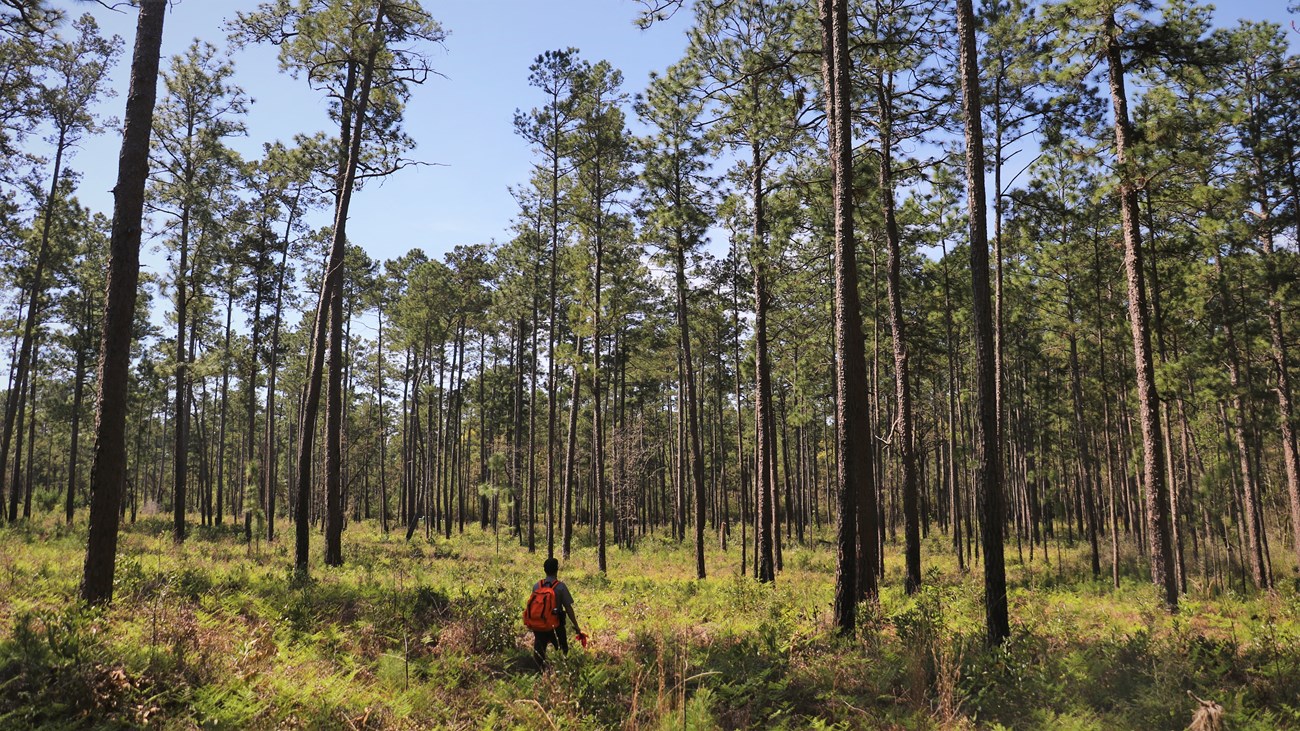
(219, 634)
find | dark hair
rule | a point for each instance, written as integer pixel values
(551, 566)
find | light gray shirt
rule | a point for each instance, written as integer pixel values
(562, 596)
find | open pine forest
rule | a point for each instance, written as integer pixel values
(895, 364)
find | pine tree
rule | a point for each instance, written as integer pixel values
(742, 51)
(677, 213)
(351, 51)
(855, 487)
(81, 306)
(988, 450)
(108, 470)
(75, 82)
(1262, 82)
(199, 109)
(549, 129)
(602, 175)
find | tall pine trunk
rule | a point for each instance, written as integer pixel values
(954, 472)
(598, 429)
(988, 456)
(108, 468)
(181, 443)
(269, 460)
(855, 471)
(552, 397)
(692, 408)
(902, 385)
(225, 391)
(1237, 425)
(571, 450)
(1153, 467)
(1278, 348)
(74, 447)
(383, 425)
(764, 558)
(26, 354)
(329, 318)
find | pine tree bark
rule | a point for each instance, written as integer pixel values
(452, 453)
(855, 471)
(383, 425)
(181, 418)
(334, 400)
(765, 556)
(1278, 350)
(1237, 424)
(988, 451)
(26, 355)
(1088, 461)
(692, 409)
(484, 503)
(329, 319)
(598, 427)
(1157, 503)
(517, 420)
(31, 449)
(532, 419)
(108, 468)
(21, 490)
(250, 473)
(571, 451)
(460, 475)
(225, 392)
(74, 447)
(954, 473)
(269, 460)
(902, 385)
(741, 478)
(552, 399)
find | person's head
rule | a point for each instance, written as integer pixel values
(551, 566)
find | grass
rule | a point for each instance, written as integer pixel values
(219, 634)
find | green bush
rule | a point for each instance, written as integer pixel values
(429, 604)
(53, 673)
(494, 619)
(191, 582)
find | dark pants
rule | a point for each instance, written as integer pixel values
(558, 637)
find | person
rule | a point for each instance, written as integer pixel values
(564, 601)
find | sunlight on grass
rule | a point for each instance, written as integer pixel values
(219, 634)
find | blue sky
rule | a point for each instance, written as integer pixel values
(462, 121)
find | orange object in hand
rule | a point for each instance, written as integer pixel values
(583, 639)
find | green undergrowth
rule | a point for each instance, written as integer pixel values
(221, 634)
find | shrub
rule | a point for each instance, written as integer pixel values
(53, 672)
(191, 582)
(493, 619)
(428, 604)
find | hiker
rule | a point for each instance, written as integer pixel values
(545, 613)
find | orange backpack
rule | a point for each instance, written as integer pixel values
(541, 613)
